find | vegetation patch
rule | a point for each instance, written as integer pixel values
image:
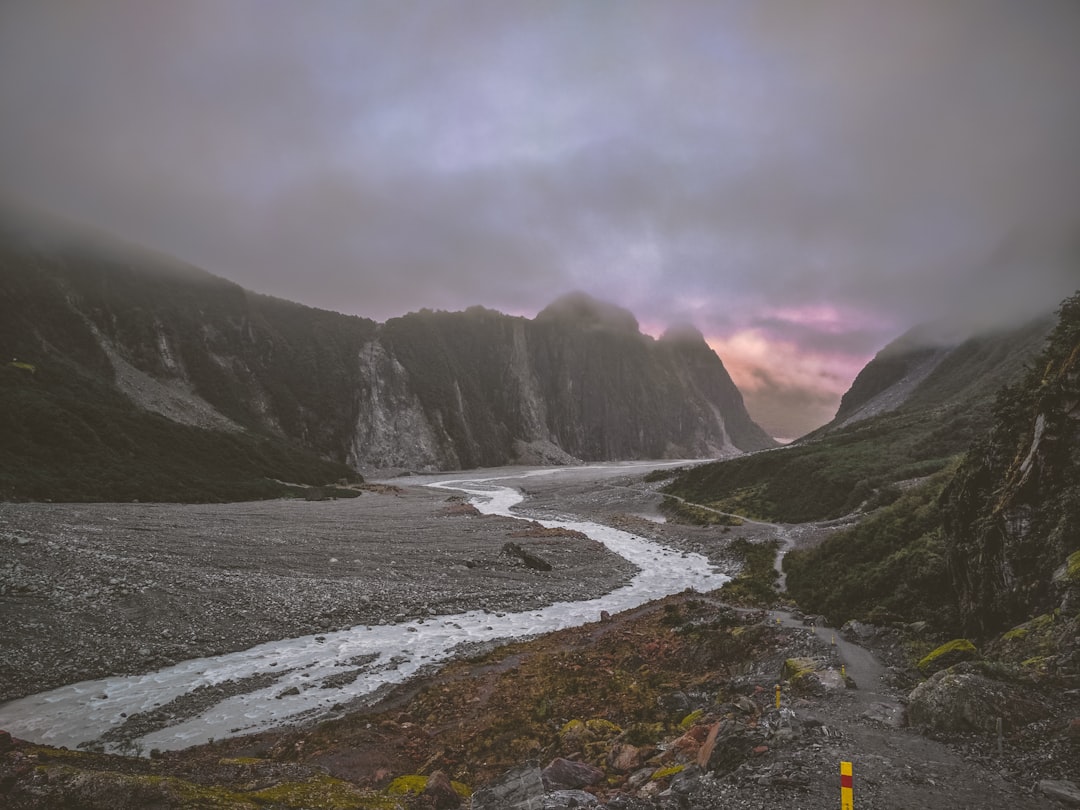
(891, 567)
(755, 585)
(948, 654)
(678, 511)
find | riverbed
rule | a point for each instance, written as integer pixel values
(315, 676)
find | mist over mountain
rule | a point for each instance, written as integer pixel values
(104, 322)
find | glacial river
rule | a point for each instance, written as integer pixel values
(302, 679)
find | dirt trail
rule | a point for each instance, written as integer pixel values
(895, 767)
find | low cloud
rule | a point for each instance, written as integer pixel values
(818, 178)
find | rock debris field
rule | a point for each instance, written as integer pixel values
(90, 590)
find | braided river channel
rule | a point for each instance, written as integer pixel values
(299, 680)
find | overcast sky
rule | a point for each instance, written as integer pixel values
(802, 181)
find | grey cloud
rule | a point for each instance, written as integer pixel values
(706, 162)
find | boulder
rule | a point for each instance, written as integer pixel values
(1064, 791)
(858, 632)
(520, 788)
(624, 757)
(567, 774)
(961, 700)
(441, 792)
(527, 557)
(567, 799)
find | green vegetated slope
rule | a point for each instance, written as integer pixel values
(1012, 512)
(65, 436)
(837, 469)
(891, 566)
(985, 544)
(66, 430)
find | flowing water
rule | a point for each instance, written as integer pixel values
(302, 679)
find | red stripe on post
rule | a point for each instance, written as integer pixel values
(845, 781)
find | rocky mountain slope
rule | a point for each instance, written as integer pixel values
(988, 543)
(915, 406)
(934, 367)
(1012, 512)
(104, 334)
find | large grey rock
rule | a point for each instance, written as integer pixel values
(960, 700)
(566, 773)
(518, 789)
(568, 799)
(1064, 791)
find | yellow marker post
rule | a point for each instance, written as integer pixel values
(834, 639)
(843, 672)
(778, 696)
(847, 800)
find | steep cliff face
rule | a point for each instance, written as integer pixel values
(430, 390)
(1012, 513)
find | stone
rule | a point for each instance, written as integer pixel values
(685, 781)
(1063, 790)
(564, 773)
(675, 702)
(706, 751)
(6, 743)
(639, 778)
(960, 700)
(745, 705)
(624, 757)
(687, 746)
(527, 557)
(858, 631)
(568, 799)
(520, 788)
(441, 793)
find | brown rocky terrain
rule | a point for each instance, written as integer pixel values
(667, 706)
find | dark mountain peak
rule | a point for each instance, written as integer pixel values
(683, 334)
(582, 310)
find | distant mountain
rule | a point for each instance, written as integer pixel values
(932, 367)
(920, 402)
(990, 543)
(138, 358)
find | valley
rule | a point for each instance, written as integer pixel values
(121, 589)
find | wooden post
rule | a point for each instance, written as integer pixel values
(847, 800)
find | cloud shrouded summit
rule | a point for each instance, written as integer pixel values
(802, 182)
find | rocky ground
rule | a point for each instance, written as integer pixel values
(88, 590)
(668, 706)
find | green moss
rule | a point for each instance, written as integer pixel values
(415, 783)
(959, 649)
(1072, 567)
(691, 718)
(1017, 633)
(669, 771)
(240, 761)
(602, 728)
(795, 668)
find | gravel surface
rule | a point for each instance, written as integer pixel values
(90, 590)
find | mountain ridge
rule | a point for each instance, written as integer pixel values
(424, 391)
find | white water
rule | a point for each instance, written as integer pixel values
(82, 712)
